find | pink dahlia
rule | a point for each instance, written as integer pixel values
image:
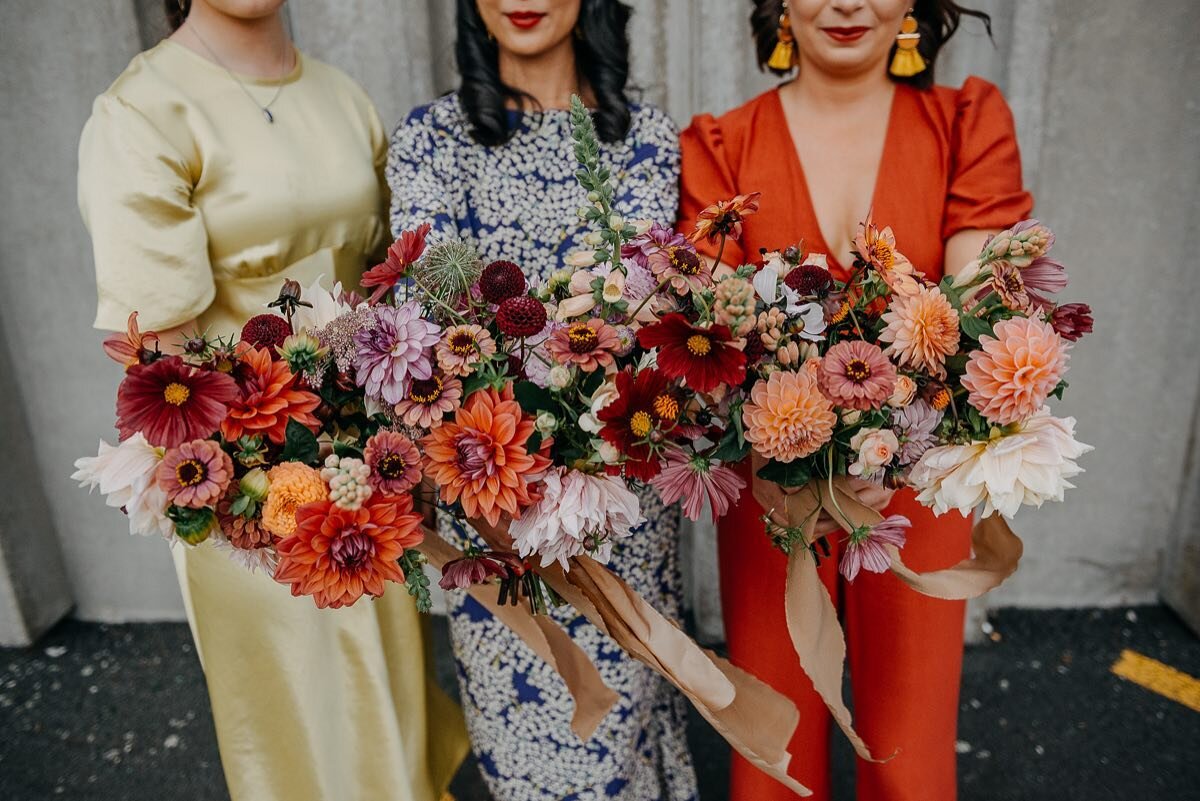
(865, 550)
(696, 479)
(395, 462)
(396, 351)
(589, 345)
(1014, 372)
(856, 375)
(195, 474)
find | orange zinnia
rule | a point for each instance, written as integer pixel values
(269, 399)
(482, 459)
(338, 555)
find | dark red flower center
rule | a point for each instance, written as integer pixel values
(462, 343)
(425, 392)
(176, 394)
(191, 472)
(582, 338)
(391, 466)
(857, 370)
(685, 261)
(352, 550)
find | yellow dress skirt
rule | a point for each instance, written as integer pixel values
(199, 208)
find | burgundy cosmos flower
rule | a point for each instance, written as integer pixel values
(403, 253)
(701, 356)
(171, 402)
(644, 405)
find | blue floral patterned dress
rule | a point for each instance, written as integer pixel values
(518, 202)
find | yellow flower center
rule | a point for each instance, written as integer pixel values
(841, 314)
(857, 370)
(583, 338)
(667, 408)
(940, 400)
(640, 424)
(176, 394)
(699, 345)
(190, 473)
(884, 255)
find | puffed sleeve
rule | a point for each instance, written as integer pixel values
(149, 242)
(649, 188)
(420, 174)
(985, 188)
(706, 177)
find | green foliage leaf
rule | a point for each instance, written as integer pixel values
(240, 505)
(344, 449)
(533, 398)
(947, 288)
(415, 580)
(974, 327)
(790, 474)
(1059, 390)
(300, 444)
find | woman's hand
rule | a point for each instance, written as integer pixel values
(773, 499)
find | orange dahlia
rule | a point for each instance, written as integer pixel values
(269, 399)
(787, 417)
(338, 555)
(292, 485)
(482, 459)
(923, 330)
(1014, 372)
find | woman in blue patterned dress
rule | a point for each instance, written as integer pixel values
(493, 164)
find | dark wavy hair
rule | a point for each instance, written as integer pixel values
(937, 20)
(601, 58)
(177, 12)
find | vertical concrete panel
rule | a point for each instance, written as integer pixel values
(1117, 179)
(55, 57)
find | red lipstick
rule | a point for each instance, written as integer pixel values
(525, 20)
(846, 35)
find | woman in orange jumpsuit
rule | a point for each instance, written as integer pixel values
(941, 167)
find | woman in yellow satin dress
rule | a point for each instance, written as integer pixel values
(220, 163)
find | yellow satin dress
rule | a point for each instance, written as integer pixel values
(199, 209)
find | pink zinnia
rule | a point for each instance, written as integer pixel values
(588, 345)
(429, 400)
(697, 479)
(1014, 372)
(856, 375)
(195, 474)
(395, 462)
(865, 549)
(395, 352)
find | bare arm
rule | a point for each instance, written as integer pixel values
(964, 247)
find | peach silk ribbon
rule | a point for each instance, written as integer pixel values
(811, 617)
(755, 719)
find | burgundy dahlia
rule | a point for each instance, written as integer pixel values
(500, 281)
(521, 316)
(266, 331)
(1072, 320)
(810, 280)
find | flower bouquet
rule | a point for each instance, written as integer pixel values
(309, 445)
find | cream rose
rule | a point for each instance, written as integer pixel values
(876, 448)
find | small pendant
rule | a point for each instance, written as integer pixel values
(270, 117)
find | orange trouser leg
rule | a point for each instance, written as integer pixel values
(753, 577)
(905, 653)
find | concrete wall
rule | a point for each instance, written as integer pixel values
(1105, 97)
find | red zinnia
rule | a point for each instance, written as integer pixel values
(269, 399)
(643, 405)
(403, 254)
(701, 356)
(338, 555)
(171, 402)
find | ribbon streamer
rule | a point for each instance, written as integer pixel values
(812, 619)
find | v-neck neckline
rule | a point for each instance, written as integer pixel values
(805, 192)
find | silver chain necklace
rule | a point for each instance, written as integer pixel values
(266, 110)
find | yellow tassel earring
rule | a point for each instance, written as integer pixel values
(783, 58)
(907, 62)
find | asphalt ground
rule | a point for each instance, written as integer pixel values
(107, 713)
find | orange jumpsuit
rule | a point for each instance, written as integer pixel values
(950, 163)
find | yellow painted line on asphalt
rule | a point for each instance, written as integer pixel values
(1159, 678)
